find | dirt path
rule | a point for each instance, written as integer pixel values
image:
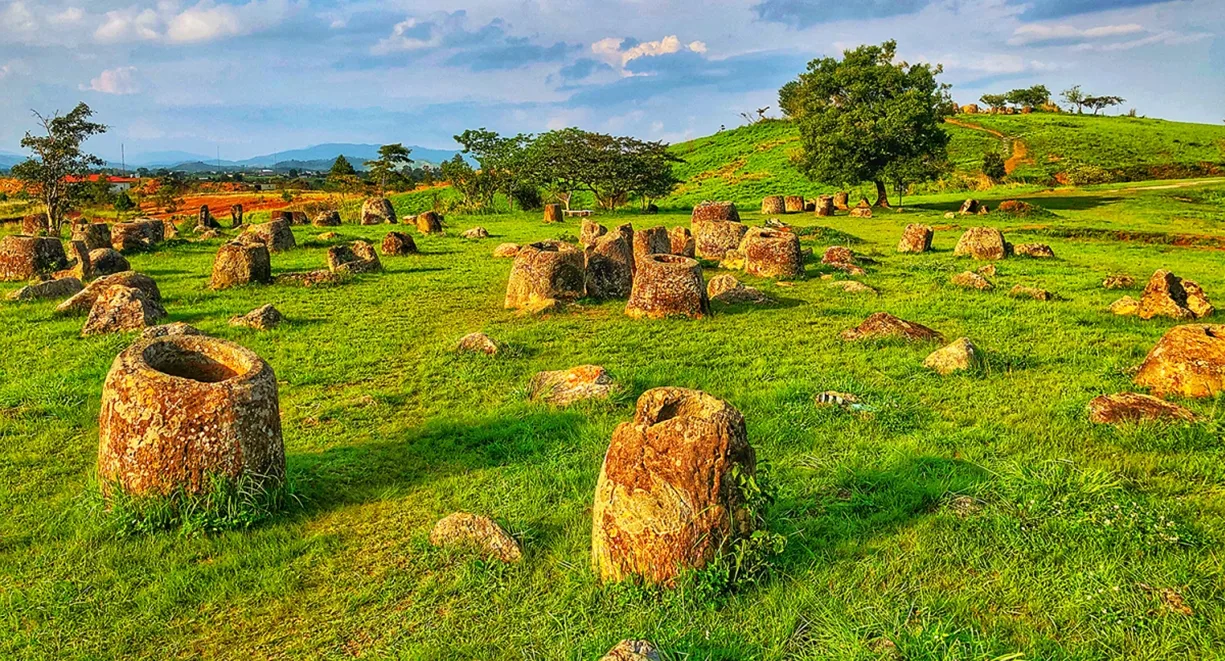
(1020, 152)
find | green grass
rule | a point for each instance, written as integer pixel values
(978, 516)
(748, 163)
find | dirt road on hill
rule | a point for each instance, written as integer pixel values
(1020, 152)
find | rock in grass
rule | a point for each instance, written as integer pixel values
(262, 318)
(959, 356)
(853, 287)
(59, 288)
(1134, 407)
(1125, 307)
(728, 290)
(241, 263)
(167, 330)
(564, 387)
(984, 243)
(1038, 250)
(477, 343)
(545, 275)
(506, 250)
(121, 308)
(476, 233)
(971, 280)
(667, 498)
(988, 270)
(476, 532)
(26, 257)
(632, 650)
(357, 257)
(1021, 291)
(107, 261)
(377, 210)
(83, 301)
(1188, 360)
(1119, 281)
(1164, 296)
(398, 244)
(609, 262)
(916, 238)
(883, 325)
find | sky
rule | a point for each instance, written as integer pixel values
(251, 77)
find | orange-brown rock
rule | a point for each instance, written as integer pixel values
(378, 210)
(137, 235)
(281, 214)
(971, 280)
(107, 261)
(357, 257)
(58, 288)
(477, 232)
(862, 210)
(235, 215)
(824, 206)
(83, 302)
(1134, 407)
(552, 213)
(632, 650)
(564, 387)
(794, 203)
(773, 204)
(668, 497)
(651, 241)
(327, 219)
(95, 235)
(429, 222)
(968, 207)
(772, 254)
(1125, 307)
(609, 266)
(1197, 300)
(398, 244)
(1021, 291)
(118, 309)
(264, 317)
(982, 243)
(838, 255)
(298, 218)
(842, 200)
(1119, 281)
(682, 242)
(241, 263)
(1038, 250)
(478, 343)
(883, 325)
(35, 224)
(545, 275)
(506, 250)
(1166, 295)
(25, 257)
(178, 411)
(960, 356)
(728, 290)
(667, 286)
(714, 238)
(916, 238)
(79, 264)
(590, 232)
(1188, 360)
(275, 234)
(714, 211)
(478, 533)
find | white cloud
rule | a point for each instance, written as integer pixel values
(610, 50)
(17, 18)
(1037, 33)
(402, 37)
(68, 16)
(129, 25)
(121, 80)
(5, 70)
(204, 21)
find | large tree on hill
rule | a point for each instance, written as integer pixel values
(994, 101)
(1030, 97)
(1074, 97)
(391, 159)
(865, 115)
(1097, 103)
(341, 167)
(611, 168)
(57, 158)
(504, 161)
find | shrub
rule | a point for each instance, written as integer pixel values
(527, 198)
(993, 166)
(1083, 174)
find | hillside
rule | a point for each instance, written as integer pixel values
(749, 162)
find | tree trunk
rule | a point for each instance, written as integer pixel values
(882, 195)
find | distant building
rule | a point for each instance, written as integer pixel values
(118, 184)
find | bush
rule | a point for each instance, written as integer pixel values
(1083, 174)
(993, 166)
(527, 198)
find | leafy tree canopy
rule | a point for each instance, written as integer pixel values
(58, 156)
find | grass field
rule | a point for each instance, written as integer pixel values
(748, 163)
(977, 516)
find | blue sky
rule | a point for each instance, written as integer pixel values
(250, 77)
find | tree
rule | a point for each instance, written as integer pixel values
(993, 166)
(124, 203)
(1074, 97)
(341, 168)
(994, 101)
(866, 112)
(475, 186)
(391, 159)
(57, 158)
(506, 161)
(1096, 103)
(610, 168)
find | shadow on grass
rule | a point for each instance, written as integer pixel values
(775, 303)
(867, 503)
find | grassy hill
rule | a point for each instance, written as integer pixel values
(747, 163)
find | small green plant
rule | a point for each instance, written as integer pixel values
(227, 504)
(993, 166)
(286, 196)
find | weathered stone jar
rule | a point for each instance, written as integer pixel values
(770, 254)
(667, 498)
(179, 409)
(23, 257)
(545, 274)
(668, 286)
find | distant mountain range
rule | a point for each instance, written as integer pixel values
(317, 157)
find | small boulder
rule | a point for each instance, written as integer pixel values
(357, 257)
(838, 255)
(26, 257)
(682, 242)
(883, 325)
(476, 233)
(971, 280)
(429, 222)
(1038, 250)
(988, 270)
(982, 243)
(714, 211)
(108, 261)
(667, 285)
(1125, 307)
(477, 343)
(95, 235)
(713, 238)
(959, 356)
(609, 267)
(1134, 407)
(1166, 295)
(651, 241)
(378, 210)
(1188, 361)
(478, 533)
(262, 318)
(824, 206)
(398, 244)
(120, 309)
(794, 203)
(773, 205)
(327, 219)
(916, 238)
(58, 288)
(772, 254)
(506, 250)
(1119, 281)
(728, 290)
(590, 232)
(167, 330)
(239, 263)
(83, 301)
(1021, 291)
(862, 210)
(564, 387)
(275, 234)
(970, 206)
(853, 287)
(842, 200)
